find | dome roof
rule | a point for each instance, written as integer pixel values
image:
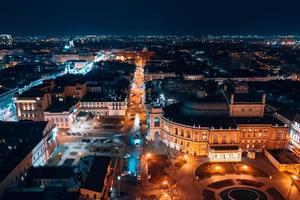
(205, 105)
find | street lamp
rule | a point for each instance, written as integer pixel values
(165, 182)
(185, 156)
(217, 167)
(118, 185)
(245, 167)
(148, 155)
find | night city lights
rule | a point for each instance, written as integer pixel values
(149, 100)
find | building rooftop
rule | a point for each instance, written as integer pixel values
(96, 176)
(248, 98)
(213, 118)
(32, 93)
(218, 120)
(266, 119)
(17, 140)
(51, 172)
(225, 148)
(44, 195)
(102, 97)
(58, 106)
(284, 156)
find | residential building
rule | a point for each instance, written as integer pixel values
(24, 144)
(98, 181)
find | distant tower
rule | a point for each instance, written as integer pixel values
(71, 44)
(6, 39)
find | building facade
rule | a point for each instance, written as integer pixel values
(103, 105)
(32, 107)
(29, 144)
(206, 126)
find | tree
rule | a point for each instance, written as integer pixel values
(173, 192)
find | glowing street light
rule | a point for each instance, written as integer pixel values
(185, 157)
(148, 155)
(165, 182)
(245, 167)
(294, 177)
(217, 167)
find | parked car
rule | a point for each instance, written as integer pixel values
(139, 176)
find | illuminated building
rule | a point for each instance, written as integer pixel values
(65, 57)
(26, 144)
(295, 133)
(104, 105)
(62, 112)
(33, 103)
(218, 126)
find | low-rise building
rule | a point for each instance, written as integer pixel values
(104, 105)
(62, 112)
(60, 177)
(206, 125)
(98, 181)
(24, 144)
(32, 104)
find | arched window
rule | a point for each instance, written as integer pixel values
(188, 135)
(156, 122)
(176, 131)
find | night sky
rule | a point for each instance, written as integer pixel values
(149, 17)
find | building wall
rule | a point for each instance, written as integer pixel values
(295, 136)
(76, 91)
(161, 76)
(38, 156)
(61, 120)
(247, 110)
(259, 137)
(195, 140)
(62, 58)
(86, 194)
(32, 108)
(108, 109)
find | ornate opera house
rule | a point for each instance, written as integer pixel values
(219, 125)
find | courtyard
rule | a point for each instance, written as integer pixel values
(208, 170)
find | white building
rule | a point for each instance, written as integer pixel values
(62, 113)
(104, 105)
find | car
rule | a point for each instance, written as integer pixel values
(127, 156)
(86, 140)
(139, 176)
(125, 173)
(106, 141)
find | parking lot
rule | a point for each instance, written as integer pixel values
(73, 151)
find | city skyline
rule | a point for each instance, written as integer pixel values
(152, 100)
